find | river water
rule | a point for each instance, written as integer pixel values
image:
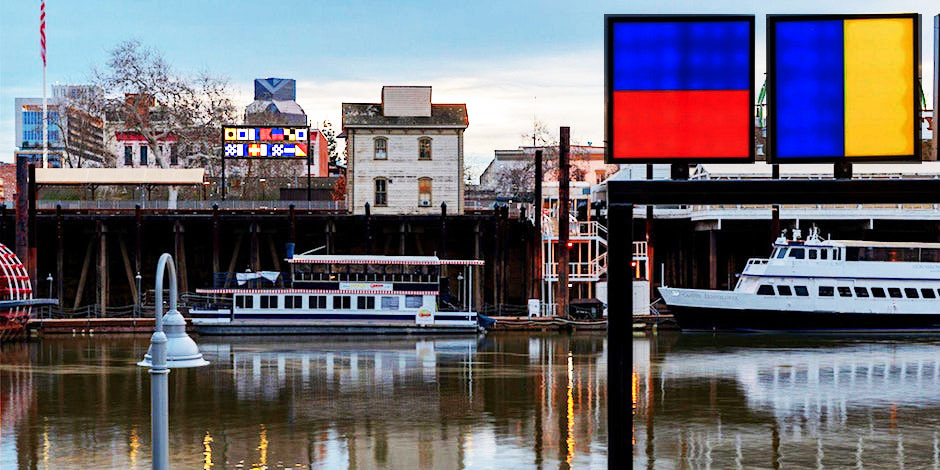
(759, 401)
(496, 401)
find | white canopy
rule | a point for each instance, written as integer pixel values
(120, 176)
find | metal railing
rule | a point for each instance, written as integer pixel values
(336, 206)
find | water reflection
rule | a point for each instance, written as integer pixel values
(777, 401)
(506, 400)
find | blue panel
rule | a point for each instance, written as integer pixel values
(809, 94)
(682, 55)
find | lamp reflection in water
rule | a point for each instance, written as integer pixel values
(168, 350)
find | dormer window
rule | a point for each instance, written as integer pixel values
(380, 148)
(424, 148)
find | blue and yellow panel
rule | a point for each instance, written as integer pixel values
(843, 87)
(679, 88)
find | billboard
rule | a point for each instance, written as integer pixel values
(843, 87)
(679, 88)
(265, 142)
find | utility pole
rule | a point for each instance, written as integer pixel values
(563, 194)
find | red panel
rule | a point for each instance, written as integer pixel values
(682, 124)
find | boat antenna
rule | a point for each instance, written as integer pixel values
(313, 250)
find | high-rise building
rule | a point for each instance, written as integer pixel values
(73, 133)
(275, 103)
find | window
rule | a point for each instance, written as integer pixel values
(878, 292)
(928, 293)
(782, 253)
(365, 302)
(317, 301)
(845, 291)
(244, 301)
(823, 254)
(413, 301)
(812, 253)
(389, 303)
(175, 157)
(894, 292)
(381, 192)
(424, 192)
(341, 302)
(801, 291)
(837, 255)
(380, 151)
(424, 148)
(796, 253)
(293, 301)
(268, 301)
(911, 293)
(861, 292)
(826, 291)
(765, 290)
(784, 290)
(143, 155)
(128, 155)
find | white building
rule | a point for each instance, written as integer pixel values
(404, 155)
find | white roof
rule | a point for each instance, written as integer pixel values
(376, 259)
(871, 244)
(815, 170)
(106, 176)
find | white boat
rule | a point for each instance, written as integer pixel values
(343, 294)
(822, 285)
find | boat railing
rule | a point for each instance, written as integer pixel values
(365, 277)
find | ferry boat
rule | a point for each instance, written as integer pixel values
(328, 294)
(822, 285)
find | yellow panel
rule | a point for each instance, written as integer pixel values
(879, 88)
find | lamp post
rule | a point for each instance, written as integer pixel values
(168, 350)
(263, 192)
(205, 188)
(140, 299)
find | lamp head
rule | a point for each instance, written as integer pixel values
(181, 350)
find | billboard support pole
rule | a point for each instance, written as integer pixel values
(619, 303)
(842, 170)
(223, 177)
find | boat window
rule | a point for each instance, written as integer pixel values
(911, 293)
(845, 291)
(341, 302)
(365, 302)
(826, 291)
(812, 253)
(781, 253)
(877, 292)
(413, 301)
(894, 292)
(293, 301)
(268, 301)
(317, 301)
(765, 290)
(801, 291)
(823, 254)
(784, 290)
(861, 292)
(928, 293)
(244, 301)
(389, 302)
(797, 253)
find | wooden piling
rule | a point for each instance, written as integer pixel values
(564, 169)
(60, 256)
(102, 267)
(216, 227)
(254, 256)
(84, 274)
(537, 206)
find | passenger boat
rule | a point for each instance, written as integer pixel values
(325, 294)
(822, 285)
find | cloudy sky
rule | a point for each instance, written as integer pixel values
(510, 61)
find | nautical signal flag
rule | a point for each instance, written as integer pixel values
(843, 87)
(679, 88)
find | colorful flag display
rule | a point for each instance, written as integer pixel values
(843, 87)
(265, 134)
(680, 88)
(265, 142)
(265, 150)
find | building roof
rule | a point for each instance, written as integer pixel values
(120, 176)
(453, 116)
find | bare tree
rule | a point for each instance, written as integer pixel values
(153, 100)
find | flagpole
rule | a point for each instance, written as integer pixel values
(45, 122)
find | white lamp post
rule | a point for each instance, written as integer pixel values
(171, 350)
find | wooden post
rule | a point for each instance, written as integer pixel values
(292, 224)
(713, 259)
(477, 280)
(84, 274)
(231, 264)
(443, 253)
(619, 307)
(254, 255)
(138, 224)
(102, 267)
(32, 232)
(179, 246)
(495, 257)
(22, 209)
(216, 228)
(60, 256)
(128, 270)
(537, 207)
(650, 264)
(401, 239)
(329, 236)
(564, 168)
(368, 229)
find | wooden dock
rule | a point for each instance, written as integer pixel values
(663, 321)
(65, 326)
(545, 324)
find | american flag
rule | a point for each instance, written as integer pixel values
(42, 30)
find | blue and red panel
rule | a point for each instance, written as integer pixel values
(681, 88)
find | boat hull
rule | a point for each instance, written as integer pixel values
(285, 327)
(724, 319)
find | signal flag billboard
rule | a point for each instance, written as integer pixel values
(679, 88)
(843, 87)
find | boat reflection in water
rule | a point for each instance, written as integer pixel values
(781, 401)
(504, 400)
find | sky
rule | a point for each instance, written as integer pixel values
(511, 62)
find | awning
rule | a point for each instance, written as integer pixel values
(120, 176)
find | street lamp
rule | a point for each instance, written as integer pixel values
(140, 300)
(49, 279)
(205, 188)
(170, 350)
(262, 180)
